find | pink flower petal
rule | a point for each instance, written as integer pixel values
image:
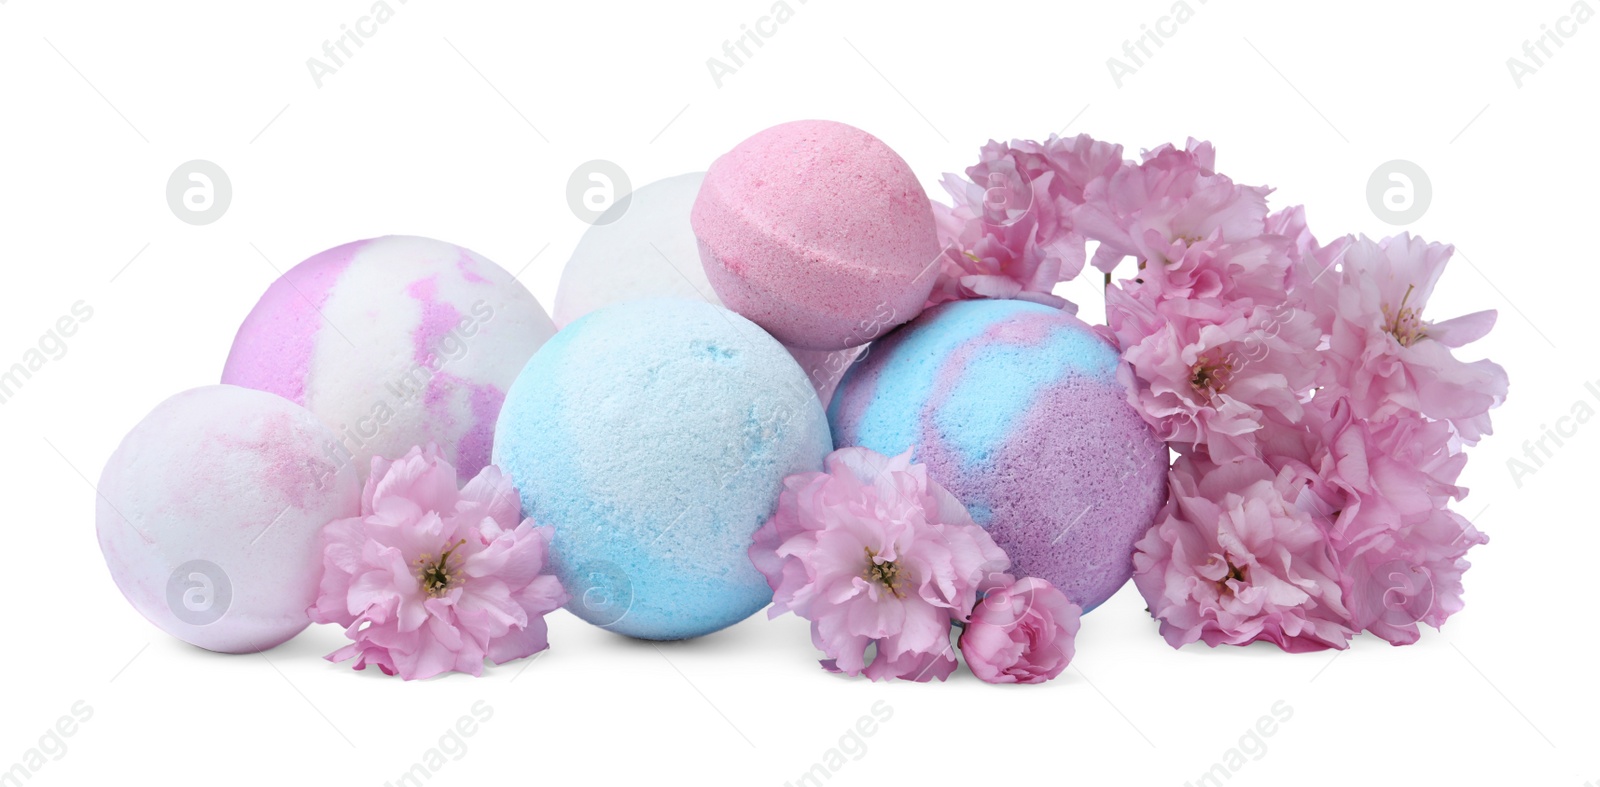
(484, 565)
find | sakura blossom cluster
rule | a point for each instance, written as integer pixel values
(432, 578)
(1318, 417)
(879, 557)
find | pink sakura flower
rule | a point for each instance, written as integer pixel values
(1385, 356)
(872, 552)
(1233, 319)
(1193, 232)
(1320, 414)
(431, 578)
(1378, 473)
(1308, 259)
(1208, 374)
(1411, 574)
(899, 659)
(1001, 252)
(1007, 234)
(1021, 632)
(1079, 167)
(1385, 488)
(1233, 559)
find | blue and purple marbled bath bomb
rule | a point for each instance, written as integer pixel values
(1016, 409)
(654, 436)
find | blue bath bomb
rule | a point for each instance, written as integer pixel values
(654, 435)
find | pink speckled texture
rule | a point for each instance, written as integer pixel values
(235, 477)
(817, 232)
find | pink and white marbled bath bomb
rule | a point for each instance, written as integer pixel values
(210, 512)
(393, 342)
(817, 232)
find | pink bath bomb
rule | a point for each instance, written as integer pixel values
(817, 232)
(393, 342)
(210, 512)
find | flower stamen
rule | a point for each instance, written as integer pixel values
(886, 574)
(438, 576)
(1211, 373)
(1405, 324)
(1235, 573)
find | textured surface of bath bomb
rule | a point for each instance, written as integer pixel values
(393, 342)
(641, 248)
(825, 368)
(648, 250)
(1016, 409)
(819, 233)
(654, 436)
(210, 514)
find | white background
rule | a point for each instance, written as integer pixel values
(462, 121)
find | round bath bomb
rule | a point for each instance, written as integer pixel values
(819, 233)
(393, 342)
(825, 368)
(1016, 409)
(210, 514)
(642, 248)
(648, 250)
(654, 436)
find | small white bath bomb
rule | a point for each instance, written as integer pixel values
(210, 514)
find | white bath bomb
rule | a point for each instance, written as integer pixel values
(640, 248)
(210, 514)
(645, 248)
